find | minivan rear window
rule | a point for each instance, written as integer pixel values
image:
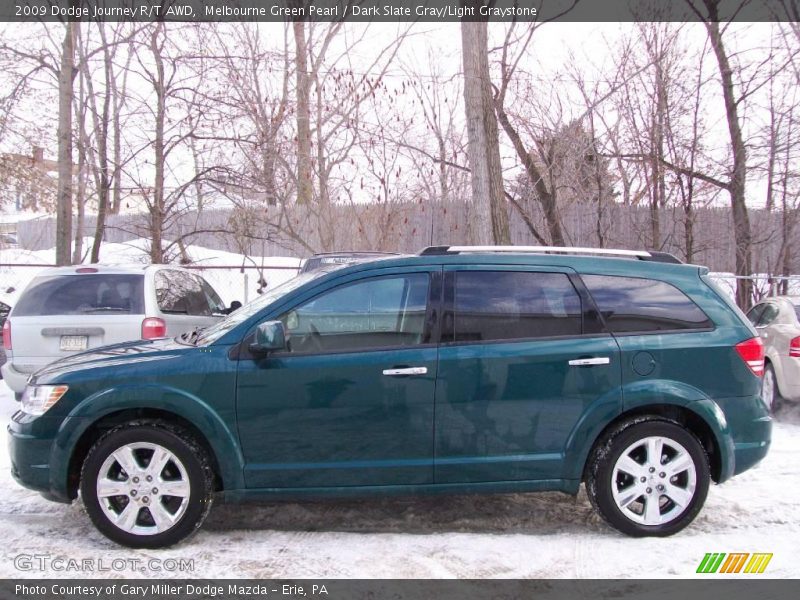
(641, 305)
(85, 294)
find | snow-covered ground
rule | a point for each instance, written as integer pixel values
(522, 535)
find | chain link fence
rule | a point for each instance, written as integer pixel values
(764, 286)
(242, 283)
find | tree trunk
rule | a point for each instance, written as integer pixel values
(64, 195)
(736, 187)
(120, 98)
(101, 135)
(688, 229)
(80, 197)
(157, 205)
(490, 221)
(304, 187)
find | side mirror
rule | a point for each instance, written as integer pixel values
(270, 336)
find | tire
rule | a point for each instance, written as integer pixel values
(769, 389)
(128, 510)
(662, 504)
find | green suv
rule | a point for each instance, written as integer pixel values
(461, 369)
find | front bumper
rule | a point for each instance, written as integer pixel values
(30, 447)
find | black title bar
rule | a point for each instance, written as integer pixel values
(396, 10)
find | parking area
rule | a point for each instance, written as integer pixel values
(546, 535)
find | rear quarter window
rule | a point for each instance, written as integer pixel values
(640, 305)
(84, 294)
(178, 292)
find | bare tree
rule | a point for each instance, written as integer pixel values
(736, 184)
(303, 111)
(65, 96)
(490, 218)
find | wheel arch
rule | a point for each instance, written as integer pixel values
(99, 413)
(777, 369)
(682, 415)
(672, 400)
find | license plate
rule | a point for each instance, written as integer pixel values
(74, 343)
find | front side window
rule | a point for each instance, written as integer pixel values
(755, 313)
(376, 313)
(508, 305)
(639, 305)
(768, 316)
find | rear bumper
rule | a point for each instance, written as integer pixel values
(749, 454)
(750, 429)
(16, 380)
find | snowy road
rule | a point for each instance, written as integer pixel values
(531, 535)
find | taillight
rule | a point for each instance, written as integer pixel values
(794, 347)
(153, 327)
(752, 353)
(7, 335)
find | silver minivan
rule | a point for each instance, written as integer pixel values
(66, 310)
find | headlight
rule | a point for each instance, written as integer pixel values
(38, 399)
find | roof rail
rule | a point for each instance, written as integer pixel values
(652, 256)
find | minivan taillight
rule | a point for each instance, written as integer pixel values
(153, 327)
(7, 335)
(794, 347)
(752, 353)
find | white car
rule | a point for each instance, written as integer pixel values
(777, 321)
(66, 310)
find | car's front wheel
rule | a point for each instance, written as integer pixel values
(147, 484)
(769, 389)
(649, 476)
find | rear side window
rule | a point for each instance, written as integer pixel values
(508, 305)
(638, 305)
(183, 293)
(85, 294)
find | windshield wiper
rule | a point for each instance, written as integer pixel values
(191, 336)
(105, 309)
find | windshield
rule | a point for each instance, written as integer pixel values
(216, 331)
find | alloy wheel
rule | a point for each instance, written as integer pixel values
(143, 488)
(654, 480)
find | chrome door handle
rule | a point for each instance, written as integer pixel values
(406, 371)
(585, 362)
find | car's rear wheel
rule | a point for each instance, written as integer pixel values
(649, 476)
(147, 484)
